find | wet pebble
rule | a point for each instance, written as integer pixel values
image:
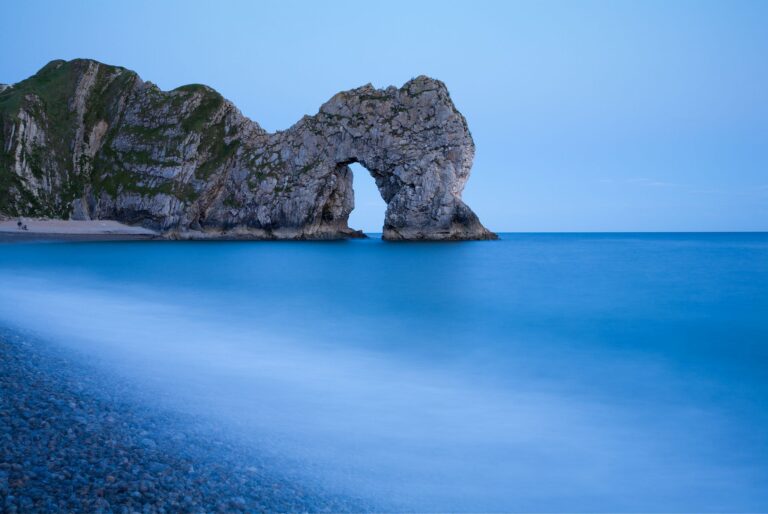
(67, 444)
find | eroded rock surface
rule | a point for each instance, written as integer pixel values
(85, 140)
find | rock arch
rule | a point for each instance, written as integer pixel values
(414, 143)
(188, 163)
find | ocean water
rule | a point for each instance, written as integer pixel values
(542, 372)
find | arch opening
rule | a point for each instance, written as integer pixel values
(370, 208)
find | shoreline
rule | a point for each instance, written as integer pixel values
(71, 442)
(52, 230)
(71, 230)
(40, 237)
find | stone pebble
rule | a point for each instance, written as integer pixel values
(65, 448)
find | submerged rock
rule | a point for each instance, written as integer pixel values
(85, 140)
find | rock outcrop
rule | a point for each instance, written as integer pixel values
(85, 140)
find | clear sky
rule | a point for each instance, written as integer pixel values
(612, 115)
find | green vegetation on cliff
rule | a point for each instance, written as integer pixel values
(58, 167)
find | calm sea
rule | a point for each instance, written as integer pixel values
(563, 372)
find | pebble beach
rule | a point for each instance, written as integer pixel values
(69, 443)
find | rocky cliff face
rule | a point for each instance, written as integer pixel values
(85, 140)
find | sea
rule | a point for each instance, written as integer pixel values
(541, 372)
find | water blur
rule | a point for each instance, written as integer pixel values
(541, 372)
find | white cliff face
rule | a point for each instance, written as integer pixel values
(188, 163)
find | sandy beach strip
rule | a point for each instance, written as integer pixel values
(70, 230)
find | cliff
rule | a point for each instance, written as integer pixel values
(84, 140)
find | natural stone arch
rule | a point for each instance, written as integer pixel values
(187, 163)
(419, 150)
(414, 143)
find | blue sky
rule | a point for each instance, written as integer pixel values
(613, 115)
